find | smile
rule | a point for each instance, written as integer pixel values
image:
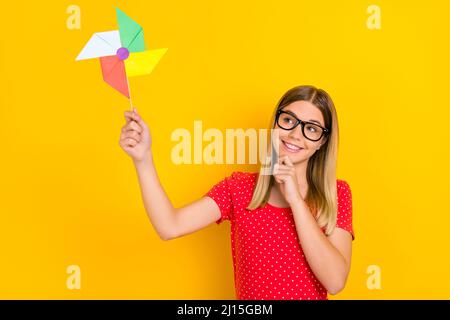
(291, 147)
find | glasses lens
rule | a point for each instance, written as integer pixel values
(312, 131)
(286, 121)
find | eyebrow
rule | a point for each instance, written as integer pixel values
(310, 120)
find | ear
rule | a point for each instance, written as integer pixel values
(322, 142)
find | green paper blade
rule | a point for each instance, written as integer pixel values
(131, 33)
(137, 45)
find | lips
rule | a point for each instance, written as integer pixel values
(291, 147)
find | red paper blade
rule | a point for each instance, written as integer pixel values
(114, 74)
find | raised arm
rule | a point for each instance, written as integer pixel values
(169, 222)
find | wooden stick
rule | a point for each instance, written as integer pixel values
(129, 93)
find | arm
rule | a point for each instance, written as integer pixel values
(328, 257)
(168, 221)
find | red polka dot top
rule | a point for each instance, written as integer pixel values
(268, 260)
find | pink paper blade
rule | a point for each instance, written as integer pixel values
(114, 74)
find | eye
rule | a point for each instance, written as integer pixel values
(287, 120)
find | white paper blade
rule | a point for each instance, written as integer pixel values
(101, 44)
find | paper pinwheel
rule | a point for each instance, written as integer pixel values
(122, 53)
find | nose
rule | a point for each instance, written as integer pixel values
(296, 133)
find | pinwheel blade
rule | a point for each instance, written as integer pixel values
(141, 63)
(114, 74)
(131, 33)
(101, 44)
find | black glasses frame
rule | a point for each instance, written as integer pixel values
(325, 131)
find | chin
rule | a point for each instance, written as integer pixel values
(295, 158)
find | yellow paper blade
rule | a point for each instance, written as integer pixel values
(140, 63)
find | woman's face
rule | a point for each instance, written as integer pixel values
(292, 142)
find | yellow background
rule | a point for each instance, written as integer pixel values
(69, 194)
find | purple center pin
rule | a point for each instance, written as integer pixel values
(122, 53)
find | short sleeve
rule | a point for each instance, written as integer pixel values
(221, 194)
(345, 215)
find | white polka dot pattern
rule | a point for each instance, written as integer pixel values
(268, 260)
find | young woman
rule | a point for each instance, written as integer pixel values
(291, 232)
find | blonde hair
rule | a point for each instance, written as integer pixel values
(321, 169)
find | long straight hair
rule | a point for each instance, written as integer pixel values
(321, 169)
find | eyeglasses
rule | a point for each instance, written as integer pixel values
(311, 131)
